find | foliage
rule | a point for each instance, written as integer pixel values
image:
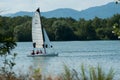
(116, 30)
(7, 43)
(7, 69)
(21, 33)
(62, 29)
(94, 74)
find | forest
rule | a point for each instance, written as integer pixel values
(61, 29)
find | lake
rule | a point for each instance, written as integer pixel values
(73, 54)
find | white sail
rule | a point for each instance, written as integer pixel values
(47, 41)
(37, 36)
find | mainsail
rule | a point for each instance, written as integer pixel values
(37, 36)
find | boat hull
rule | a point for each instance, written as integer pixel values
(44, 55)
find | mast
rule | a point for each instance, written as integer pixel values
(44, 46)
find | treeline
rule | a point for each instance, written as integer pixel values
(62, 29)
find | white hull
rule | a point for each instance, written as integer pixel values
(43, 55)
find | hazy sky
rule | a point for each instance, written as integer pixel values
(12, 6)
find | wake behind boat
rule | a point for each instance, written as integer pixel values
(40, 39)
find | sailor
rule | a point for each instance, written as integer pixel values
(33, 53)
(46, 46)
(51, 46)
(34, 44)
(37, 52)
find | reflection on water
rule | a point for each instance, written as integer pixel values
(41, 62)
(48, 65)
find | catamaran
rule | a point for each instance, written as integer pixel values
(40, 39)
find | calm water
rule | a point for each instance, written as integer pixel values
(73, 54)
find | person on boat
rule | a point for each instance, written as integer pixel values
(37, 52)
(46, 46)
(51, 46)
(34, 44)
(33, 53)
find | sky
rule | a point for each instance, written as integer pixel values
(12, 6)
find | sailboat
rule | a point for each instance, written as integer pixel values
(40, 38)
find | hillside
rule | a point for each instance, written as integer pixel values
(104, 11)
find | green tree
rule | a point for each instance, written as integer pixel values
(81, 29)
(23, 32)
(7, 42)
(62, 31)
(116, 30)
